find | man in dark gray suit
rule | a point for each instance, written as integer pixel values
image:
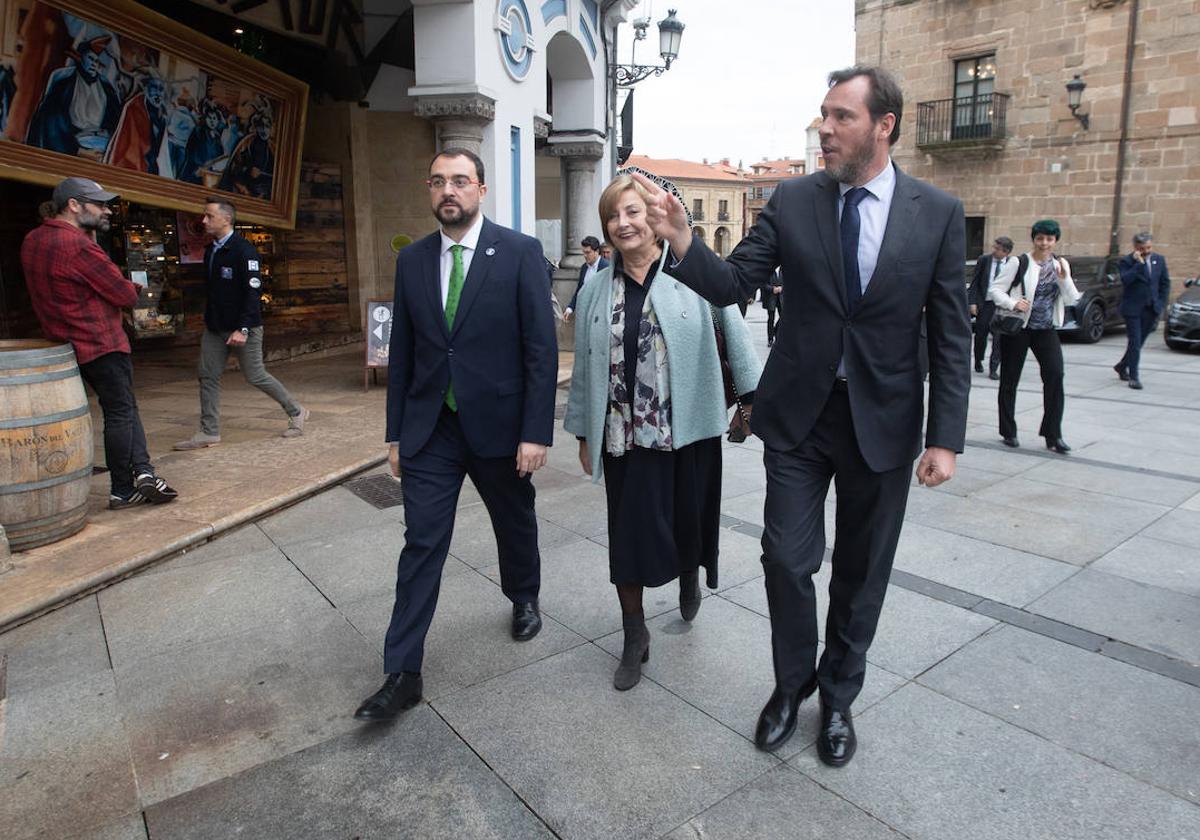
(864, 250)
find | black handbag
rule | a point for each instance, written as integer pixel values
(1010, 321)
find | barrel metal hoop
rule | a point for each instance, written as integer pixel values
(16, 359)
(9, 489)
(45, 419)
(34, 378)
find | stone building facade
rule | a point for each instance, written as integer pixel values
(987, 117)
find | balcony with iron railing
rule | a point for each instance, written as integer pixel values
(722, 217)
(970, 124)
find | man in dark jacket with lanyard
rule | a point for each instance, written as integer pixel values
(987, 267)
(232, 321)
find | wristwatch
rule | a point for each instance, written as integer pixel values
(244, 331)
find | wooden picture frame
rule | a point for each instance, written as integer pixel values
(224, 74)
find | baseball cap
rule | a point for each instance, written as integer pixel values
(81, 188)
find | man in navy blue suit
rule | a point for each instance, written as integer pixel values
(592, 264)
(471, 378)
(1147, 288)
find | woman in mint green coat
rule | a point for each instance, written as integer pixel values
(648, 406)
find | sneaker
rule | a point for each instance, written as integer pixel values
(116, 502)
(197, 441)
(154, 489)
(296, 424)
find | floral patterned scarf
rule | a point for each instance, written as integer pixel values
(647, 423)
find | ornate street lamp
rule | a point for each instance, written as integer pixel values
(670, 33)
(1075, 99)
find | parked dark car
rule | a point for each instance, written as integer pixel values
(1183, 318)
(1099, 307)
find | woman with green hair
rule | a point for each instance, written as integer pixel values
(1039, 286)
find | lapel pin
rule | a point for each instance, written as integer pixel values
(490, 252)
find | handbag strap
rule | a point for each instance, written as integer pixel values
(737, 397)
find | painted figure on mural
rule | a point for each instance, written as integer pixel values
(181, 122)
(204, 148)
(139, 135)
(251, 169)
(8, 89)
(80, 108)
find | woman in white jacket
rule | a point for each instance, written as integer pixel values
(1039, 286)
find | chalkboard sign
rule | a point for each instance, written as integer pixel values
(377, 329)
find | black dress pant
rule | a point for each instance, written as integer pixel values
(1137, 330)
(870, 512)
(125, 453)
(983, 328)
(432, 480)
(1048, 351)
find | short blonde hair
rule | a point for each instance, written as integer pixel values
(611, 197)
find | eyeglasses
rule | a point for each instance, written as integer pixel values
(458, 182)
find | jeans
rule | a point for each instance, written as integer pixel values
(111, 377)
(213, 354)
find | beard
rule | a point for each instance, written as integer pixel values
(455, 216)
(95, 221)
(850, 170)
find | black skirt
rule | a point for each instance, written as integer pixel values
(664, 512)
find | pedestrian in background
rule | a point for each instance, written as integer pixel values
(1039, 286)
(647, 403)
(771, 296)
(1147, 289)
(78, 293)
(593, 263)
(987, 266)
(233, 324)
(472, 368)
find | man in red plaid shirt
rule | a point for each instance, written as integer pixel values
(78, 294)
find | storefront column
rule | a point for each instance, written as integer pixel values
(458, 118)
(579, 159)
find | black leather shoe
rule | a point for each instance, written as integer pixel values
(837, 741)
(689, 595)
(1012, 441)
(400, 691)
(527, 621)
(993, 375)
(777, 720)
(979, 367)
(1135, 384)
(1057, 445)
(1121, 372)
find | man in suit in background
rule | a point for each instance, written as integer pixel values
(1147, 289)
(772, 301)
(986, 269)
(471, 376)
(863, 250)
(592, 263)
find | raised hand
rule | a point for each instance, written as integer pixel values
(666, 216)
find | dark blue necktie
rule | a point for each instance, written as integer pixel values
(851, 223)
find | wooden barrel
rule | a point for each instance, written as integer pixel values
(45, 443)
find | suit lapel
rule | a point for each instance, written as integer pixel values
(431, 263)
(902, 220)
(481, 264)
(825, 201)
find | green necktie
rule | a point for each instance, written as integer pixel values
(452, 296)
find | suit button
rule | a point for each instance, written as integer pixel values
(450, 351)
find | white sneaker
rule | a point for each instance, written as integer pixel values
(296, 424)
(197, 441)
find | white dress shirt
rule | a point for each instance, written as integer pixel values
(469, 243)
(873, 215)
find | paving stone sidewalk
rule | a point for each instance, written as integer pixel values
(1036, 673)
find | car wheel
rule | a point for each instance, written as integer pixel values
(1173, 344)
(1092, 324)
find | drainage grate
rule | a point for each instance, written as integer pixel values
(380, 491)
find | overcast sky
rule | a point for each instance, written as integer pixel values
(749, 79)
